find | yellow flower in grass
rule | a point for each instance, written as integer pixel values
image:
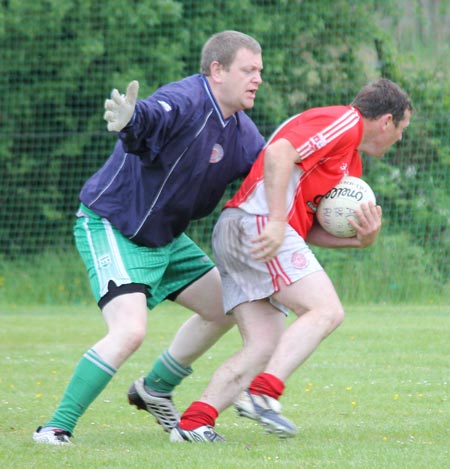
(2, 280)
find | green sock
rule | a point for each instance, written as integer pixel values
(88, 381)
(166, 374)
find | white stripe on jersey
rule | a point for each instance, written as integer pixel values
(327, 135)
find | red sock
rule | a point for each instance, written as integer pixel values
(267, 384)
(197, 415)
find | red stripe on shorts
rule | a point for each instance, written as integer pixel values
(274, 266)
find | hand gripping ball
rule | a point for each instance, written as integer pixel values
(339, 205)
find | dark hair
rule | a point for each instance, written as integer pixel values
(222, 47)
(380, 97)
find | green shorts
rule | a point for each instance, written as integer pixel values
(110, 256)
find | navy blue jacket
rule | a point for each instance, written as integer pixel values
(172, 163)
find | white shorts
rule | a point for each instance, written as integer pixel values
(243, 278)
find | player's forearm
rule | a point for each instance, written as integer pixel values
(319, 237)
(279, 162)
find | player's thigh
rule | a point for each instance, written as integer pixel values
(192, 280)
(127, 313)
(204, 296)
(312, 292)
(260, 324)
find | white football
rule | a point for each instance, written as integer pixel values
(340, 203)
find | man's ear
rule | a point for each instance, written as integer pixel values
(387, 120)
(216, 71)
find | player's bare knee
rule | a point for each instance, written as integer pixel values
(219, 318)
(331, 319)
(136, 337)
(339, 317)
(130, 337)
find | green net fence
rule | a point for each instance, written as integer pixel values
(61, 58)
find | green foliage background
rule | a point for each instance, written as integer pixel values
(61, 58)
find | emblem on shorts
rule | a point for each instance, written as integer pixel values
(299, 261)
(216, 154)
(104, 261)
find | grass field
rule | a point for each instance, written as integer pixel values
(375, 395)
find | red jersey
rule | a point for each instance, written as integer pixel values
(326, 140)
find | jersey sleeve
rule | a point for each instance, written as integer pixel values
(324, 133)
(156, 119)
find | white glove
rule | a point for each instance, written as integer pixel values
(120, 108)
